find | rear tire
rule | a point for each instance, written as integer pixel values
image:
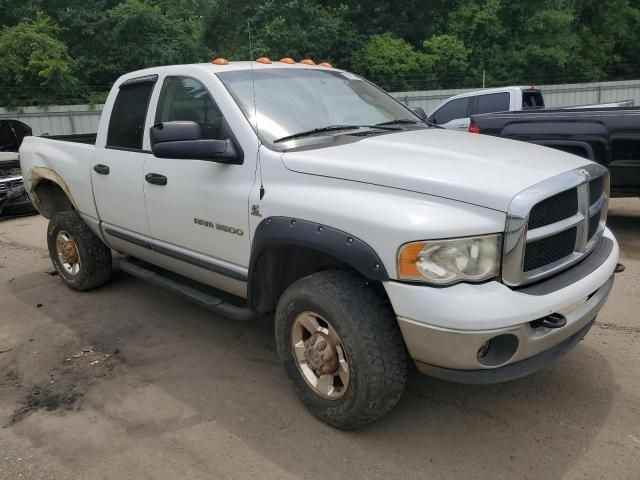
(361, 327)
(82, 260)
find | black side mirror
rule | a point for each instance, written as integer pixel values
(419, 111)
(183, 139)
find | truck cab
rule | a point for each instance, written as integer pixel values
(455, 112)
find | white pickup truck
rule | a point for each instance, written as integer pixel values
(304, 190)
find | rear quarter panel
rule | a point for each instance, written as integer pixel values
(65, 163)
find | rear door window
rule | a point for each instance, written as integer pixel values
(532, 99)
(493, 102)
(126, 125)
(453, 110)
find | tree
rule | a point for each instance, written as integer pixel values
(392, 63)
(135, 34)
(449, 59)
(294, 28)
(35, 66)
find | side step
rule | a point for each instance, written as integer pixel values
(211, 302)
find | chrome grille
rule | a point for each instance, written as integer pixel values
(554, 224)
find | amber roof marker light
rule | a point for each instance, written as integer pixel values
(307, 61)
(220, 61)
(287, 60)
(263, 60)
(326, 64)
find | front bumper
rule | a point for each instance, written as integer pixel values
(445, 328)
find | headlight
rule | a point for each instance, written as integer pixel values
(443, 262)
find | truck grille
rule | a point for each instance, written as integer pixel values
(9, 184)
(554, 224)
(550, 249)
(553, 209)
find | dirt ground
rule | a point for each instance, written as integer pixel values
(131, 382)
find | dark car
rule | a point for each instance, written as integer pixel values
(609, 136)
(13, 198)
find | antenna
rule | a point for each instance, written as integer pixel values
(255, 110)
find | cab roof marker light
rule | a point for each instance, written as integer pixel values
(326, 64)
(264, 60)
(307, 61)
(220, 61)
(287, 60)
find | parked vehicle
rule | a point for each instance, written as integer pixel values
(13, 199)
(307, 191)
(455, 112)
(610, 137)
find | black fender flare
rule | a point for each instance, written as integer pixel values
(273, 231)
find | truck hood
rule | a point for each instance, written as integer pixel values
(476, 169)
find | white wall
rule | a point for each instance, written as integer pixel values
(58, 119)
(554, 95)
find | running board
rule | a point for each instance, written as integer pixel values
(211, 302)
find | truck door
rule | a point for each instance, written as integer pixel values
(199, 212)
(453, 115)
(117, 169)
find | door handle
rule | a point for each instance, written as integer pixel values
(101, 169)
(156, 178)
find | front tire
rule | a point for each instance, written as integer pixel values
(341, 346)
(82, 260)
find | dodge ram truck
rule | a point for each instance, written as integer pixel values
(304, 191)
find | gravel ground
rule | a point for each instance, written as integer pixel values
(133, 382)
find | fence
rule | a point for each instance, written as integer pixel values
(62, 120)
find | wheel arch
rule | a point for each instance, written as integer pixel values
(49, 192)
(285, 249)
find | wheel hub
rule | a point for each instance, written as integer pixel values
(70, 251)
(68, 254)
(321, 353)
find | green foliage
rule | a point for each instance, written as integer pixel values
(449, 59)
(392, 62)
(65, 51)
(33, 57)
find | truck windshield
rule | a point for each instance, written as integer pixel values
(292, 101)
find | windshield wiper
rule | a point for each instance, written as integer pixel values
(330, 128)
(397, 120)
(409, 122)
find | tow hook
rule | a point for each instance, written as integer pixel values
(555, 320)
(619, 268)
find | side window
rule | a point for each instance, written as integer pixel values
(184, 98)
(494, 102)
(458, 108)
(126, 125)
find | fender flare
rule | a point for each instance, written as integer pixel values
(291, 231)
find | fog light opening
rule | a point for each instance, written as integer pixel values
(498, 350)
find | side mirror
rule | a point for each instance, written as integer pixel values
(419, 111)
(183, 140)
